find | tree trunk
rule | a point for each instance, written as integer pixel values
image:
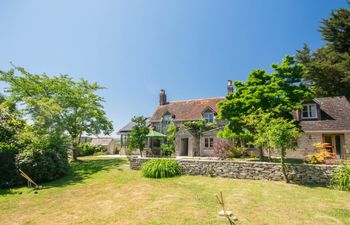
(75, 149)
(261, 154)
(284, 167)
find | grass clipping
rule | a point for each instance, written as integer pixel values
(161, 168)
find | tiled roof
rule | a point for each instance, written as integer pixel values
(185, 110)
(336, 111)
(101, 141)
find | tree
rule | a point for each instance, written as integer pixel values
(328, 67)
(58, 104)
(277, 94)
(169, 146)
(282, 135)
(138, 134)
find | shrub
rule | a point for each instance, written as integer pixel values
(320, 156)
(222, 148)
(43, 164)
(161, 168)
(87, 149)
(8, 171)
(341, 178)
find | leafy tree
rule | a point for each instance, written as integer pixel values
(169, 146)
(282, 135)
(328, 67)
(11, 126)
(138, 134)
(277, 94)
(58, 104)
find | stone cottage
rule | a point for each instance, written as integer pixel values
(323, 120)
(188, 144)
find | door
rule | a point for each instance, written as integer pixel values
(338, 146)
(336, 142)
(184, 147)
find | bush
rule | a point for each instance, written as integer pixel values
(88, 149)
(341, 178)
(321, 156)
(161, 168)
(43, 164)
(8, 171)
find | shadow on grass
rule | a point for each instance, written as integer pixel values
(80, 171)
(83, 169)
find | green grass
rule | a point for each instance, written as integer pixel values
(106, 191)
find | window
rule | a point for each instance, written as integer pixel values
(208, 142)
(309, 111)
(167, 119)
(208, 117)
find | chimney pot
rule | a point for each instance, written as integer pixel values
(162, 97)
(229, 87)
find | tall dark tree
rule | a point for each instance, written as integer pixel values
(328, 68)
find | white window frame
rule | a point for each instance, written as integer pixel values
(309, 108)
(206, 117)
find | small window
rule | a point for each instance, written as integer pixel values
(309, 111)
(167, 119)
(208, 142)
(208, 117)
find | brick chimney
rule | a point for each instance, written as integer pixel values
(229, 87)
(162, 97)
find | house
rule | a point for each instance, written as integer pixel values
(324, 120)
(187, 143)
(107, 142)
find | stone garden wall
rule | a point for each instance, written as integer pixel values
(298, 173)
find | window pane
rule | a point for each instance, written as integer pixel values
(211, 142)
(305, 112)
(312, 110)
(206, 144)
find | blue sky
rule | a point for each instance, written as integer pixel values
(135, 48)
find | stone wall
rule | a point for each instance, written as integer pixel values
(298, 173)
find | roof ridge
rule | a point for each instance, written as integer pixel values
(197, 99)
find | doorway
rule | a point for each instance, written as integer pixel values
(336, 142)
(184, 147)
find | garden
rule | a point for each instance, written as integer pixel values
(106, 191)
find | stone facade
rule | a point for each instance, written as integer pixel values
(298, 173)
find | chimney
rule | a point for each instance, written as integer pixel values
(162, 97)
(229, 87)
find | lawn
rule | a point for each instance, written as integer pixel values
(106, 191)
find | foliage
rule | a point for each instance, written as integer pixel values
(262, 98)
(197, 127)
(222, 148)
(43, 164)
(138, 134)
(58, 104)
(161, 168)
(10, 129)
(169, 147)
(282, 135)
(88, 149)
(328, 66)
(341, 178)
(320, 156)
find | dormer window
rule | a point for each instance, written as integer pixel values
(208, 117)
(167, 118)
(309, 111)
